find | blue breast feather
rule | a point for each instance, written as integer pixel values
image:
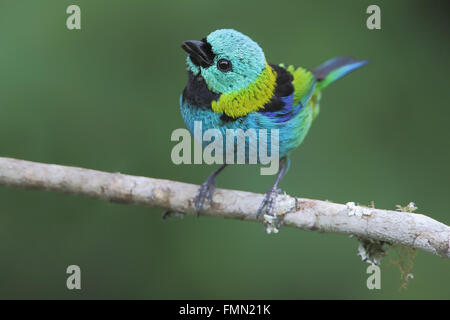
(292, 121)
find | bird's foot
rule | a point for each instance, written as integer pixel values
(172, 214)
(206, 192)
(271, 221)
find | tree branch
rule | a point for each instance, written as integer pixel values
(409, 229)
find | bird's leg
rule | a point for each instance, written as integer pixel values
(207, 189)
(270, 197)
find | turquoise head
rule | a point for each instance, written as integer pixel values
(226, 59)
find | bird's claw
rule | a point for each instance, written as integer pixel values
(271, 223)
(269, 202)
(172, 214)
(206, 192)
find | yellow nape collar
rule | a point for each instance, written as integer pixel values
(252, 98)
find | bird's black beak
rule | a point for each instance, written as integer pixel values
(199, 52)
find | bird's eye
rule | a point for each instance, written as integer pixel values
(224, 65)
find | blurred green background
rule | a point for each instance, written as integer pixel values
(106, 98)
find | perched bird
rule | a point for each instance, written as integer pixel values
(231, 85)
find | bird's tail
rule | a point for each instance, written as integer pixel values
(334, 69)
